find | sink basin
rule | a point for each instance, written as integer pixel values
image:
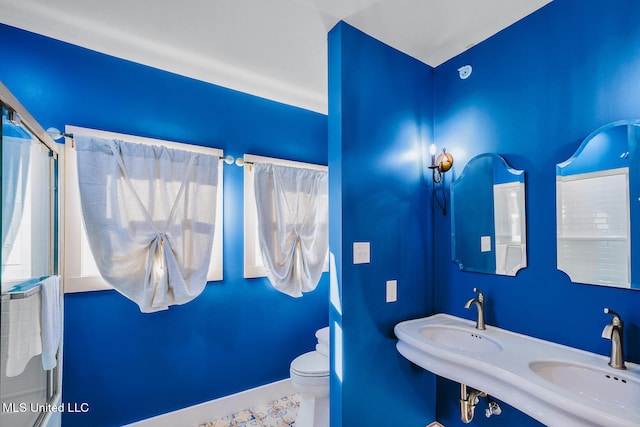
(559, 386)
(461, 339)
(601, 385)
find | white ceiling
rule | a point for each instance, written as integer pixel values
(276, 49)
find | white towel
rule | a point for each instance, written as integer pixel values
(25, 340)
(51, 323)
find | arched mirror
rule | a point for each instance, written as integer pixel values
(597, 192)
(488, 217)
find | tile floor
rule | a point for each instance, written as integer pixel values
(279, 413)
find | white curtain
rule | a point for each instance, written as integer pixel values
(293, 211)
(149, 212)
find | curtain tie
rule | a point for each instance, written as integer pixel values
(158, 253)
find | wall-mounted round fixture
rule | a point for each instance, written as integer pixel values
(465, 72)
(440, 165)
(56, 135)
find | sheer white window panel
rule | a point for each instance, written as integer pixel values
(293, 217)
(253, 264)
(80, 270)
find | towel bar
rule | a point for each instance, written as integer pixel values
(24, 290)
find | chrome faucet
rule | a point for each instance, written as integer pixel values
(613, 331)
(479, 303)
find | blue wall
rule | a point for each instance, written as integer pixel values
(538, 88)
(239, 333)
(380, 114)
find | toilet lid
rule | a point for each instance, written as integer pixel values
(312, 364)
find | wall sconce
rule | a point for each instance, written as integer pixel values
(438, 167)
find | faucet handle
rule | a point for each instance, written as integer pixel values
(607, 331)
(480, 294)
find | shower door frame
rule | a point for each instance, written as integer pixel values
(11, 103)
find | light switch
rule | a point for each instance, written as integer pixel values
(361, 253)
(485, 244)
(392, 290)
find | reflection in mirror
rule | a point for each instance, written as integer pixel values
(595, 201)
(488, 217)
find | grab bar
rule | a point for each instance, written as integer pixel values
(24, 290)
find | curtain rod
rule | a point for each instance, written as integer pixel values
(241, 162)
(57, 134)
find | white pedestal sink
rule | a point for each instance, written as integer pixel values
(555, 384)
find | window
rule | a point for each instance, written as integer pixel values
(253, 265)
(80, 270)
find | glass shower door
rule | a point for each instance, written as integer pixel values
(29, 233)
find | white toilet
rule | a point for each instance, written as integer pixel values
(310, 379)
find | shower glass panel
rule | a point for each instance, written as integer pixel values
(29, 206)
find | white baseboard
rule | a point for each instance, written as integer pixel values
(203, 412)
